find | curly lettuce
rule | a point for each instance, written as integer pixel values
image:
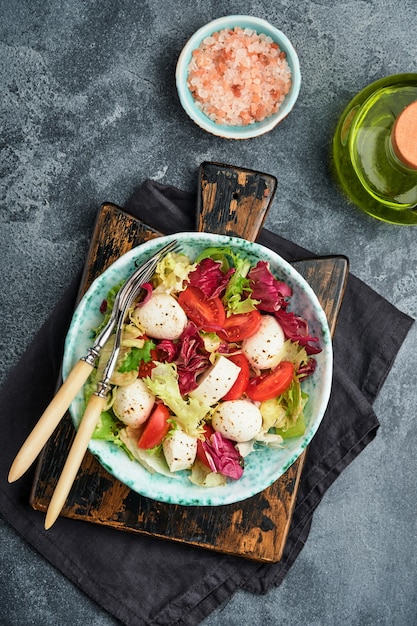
(189, 413)
(172, 272)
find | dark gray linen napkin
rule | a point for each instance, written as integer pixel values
(141, 580)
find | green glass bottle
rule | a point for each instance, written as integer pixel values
(374, 152)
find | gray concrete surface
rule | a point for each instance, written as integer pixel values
(88, 111)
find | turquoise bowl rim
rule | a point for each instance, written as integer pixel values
(237, 132)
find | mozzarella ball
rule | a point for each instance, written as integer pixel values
(238, 420)
(264, 347)
(133, 403)
(161, 317)
(180, 450)
(216, 381)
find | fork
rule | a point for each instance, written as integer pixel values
(82, 369)
(97, 400)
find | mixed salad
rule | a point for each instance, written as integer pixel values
(210, 367)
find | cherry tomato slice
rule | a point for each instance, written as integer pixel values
(206, 313)
(241, 383)
(156, 427)
(242, 325)
(201, 455)
(271, 384)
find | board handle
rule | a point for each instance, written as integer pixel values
(233, 200)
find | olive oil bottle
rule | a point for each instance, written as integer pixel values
(374, 152)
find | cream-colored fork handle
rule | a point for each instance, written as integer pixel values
(49, 420)
(76, 454)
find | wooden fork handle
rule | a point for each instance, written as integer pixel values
(76, 454)
(49, 420)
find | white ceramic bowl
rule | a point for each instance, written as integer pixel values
(262, 467)
(257, 128)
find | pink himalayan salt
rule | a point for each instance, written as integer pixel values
(238, 77)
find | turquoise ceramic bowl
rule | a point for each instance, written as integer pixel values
(237, 132)
(262, 467)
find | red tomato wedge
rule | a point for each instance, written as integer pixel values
(271, 384)
(156, 427)
(206, 313)
(201, 455)
(239, 386)
(242, 325)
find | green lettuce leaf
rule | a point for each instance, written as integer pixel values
(108, 429)
(189, 413)
(285, 414)
(297, 430)
(135, 356)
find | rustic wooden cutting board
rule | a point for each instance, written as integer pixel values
(232, 201)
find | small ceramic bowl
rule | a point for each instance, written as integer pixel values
(257, 128)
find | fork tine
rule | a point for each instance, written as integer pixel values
(169, 247)
(144, 273)
(154, 259)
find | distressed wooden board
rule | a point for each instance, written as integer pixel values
(233, 201)
(256, 528)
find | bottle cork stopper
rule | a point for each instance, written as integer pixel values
(404, 136)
